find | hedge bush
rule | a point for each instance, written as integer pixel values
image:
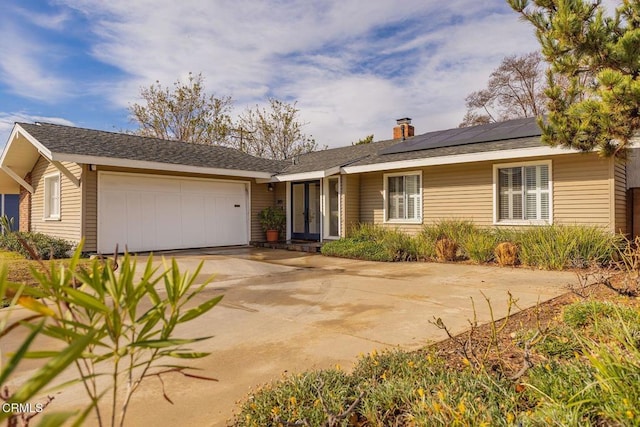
(549, 247)
(45, 246)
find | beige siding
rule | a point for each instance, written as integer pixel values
(371, 201)
(261, 197)
(280, 195)
(462, 191)
(350, 203)
(633, 168)
(583, 193)
(69, 225)
(620, 176)
(582, 190)
(90, 214)
(457, 191)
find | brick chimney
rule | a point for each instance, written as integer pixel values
(404, 129)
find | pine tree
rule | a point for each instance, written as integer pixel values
(593, 83)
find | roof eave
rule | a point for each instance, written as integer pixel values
(304, 176)
(18, 157)
(169, 167)
(459, 158)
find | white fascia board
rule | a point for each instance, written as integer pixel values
(17, 129)
(141, 164)
(460, 158)
(305, 176)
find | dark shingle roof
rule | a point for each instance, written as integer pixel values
(508, 135)
(513, 134)
(335, 157)
(478, 147)
(87, 142)
(501, 131)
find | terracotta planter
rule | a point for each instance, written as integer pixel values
(272, 236)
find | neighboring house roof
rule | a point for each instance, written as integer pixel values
(94, 146)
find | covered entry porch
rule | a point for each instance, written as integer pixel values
(313, 212)
(313, 205)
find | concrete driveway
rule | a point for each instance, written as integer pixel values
(286, 312)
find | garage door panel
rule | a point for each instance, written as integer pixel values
(157, 212)
(211, 227)
(112, 218)
(169, 221)
(230, 211)
(133, 219)
(193, 219)
(149, 221)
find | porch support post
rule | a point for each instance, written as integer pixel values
(66, 172)
(17, 178)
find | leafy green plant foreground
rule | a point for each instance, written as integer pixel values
(117, 328)
(593, 381)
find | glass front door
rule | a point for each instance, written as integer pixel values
(305, 209)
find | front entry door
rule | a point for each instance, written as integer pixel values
(305, 206)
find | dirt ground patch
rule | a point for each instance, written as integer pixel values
(504, 350)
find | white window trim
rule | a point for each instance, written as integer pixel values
(385, 195)
(326, 211)
(496, 196)
(45, 206)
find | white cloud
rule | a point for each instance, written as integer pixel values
(313, 52)
(25, 65)
(54, 21)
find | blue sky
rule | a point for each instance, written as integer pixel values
(353, 66)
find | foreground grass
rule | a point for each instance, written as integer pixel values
(19, 268)
(583, 361)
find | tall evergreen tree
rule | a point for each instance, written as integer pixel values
(594, 75)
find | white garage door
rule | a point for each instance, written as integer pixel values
(146, 213)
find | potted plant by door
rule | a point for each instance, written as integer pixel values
(272, 220)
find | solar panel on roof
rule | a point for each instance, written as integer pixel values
(511, 129)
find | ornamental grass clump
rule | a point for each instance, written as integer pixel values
(446, 249)
(555, 247)
(506, 254)
(479, 246)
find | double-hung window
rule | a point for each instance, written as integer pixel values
(403, 197)
(523, 193)
(52, 197)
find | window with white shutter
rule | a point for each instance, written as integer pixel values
(523, 193)
(403, 197)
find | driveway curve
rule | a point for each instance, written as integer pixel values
(286, 312)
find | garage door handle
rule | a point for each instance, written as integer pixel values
(236, 206)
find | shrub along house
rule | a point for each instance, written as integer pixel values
(149, 194)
